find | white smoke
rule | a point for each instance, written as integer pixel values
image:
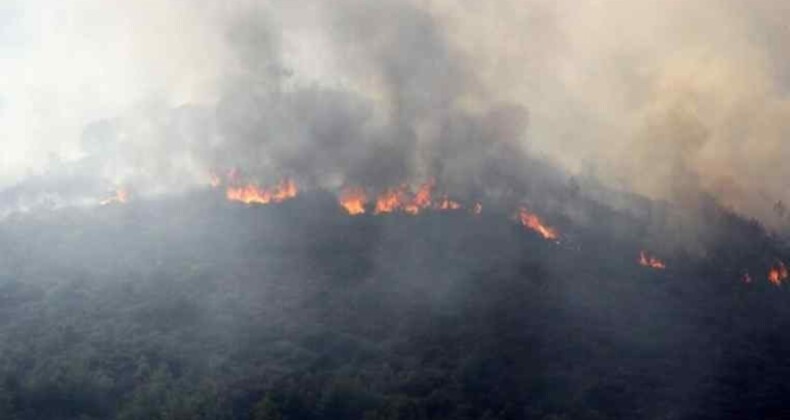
(669, 99)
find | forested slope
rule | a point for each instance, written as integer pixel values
(191, 307)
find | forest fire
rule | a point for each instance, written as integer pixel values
(778, 273)
(252, 194)
(533, 222)
(401, 199)
(121, 196)
(391, 200)
(396, 199)
(446, 204)
(651, 261)
(420, 200)
(353, 200)
(404, 199)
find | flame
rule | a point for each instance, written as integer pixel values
(353, 200)
(447, 204)
(421, 200)
(391, 200)
(778, 273)
(532, 221)
(252, 194)
(401, 199)
(121, 196)
(397, 199)
(651, 261)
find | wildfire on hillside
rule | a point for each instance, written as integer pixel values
(354, 200)
(778, 273)
(533, 222)
(246, 192)
(253, 194)
(403, 199)
(447, 204)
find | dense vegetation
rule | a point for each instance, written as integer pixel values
(193, 308)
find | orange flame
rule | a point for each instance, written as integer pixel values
(421, 200)
(391, 200)
(778, 273)
(532, 221)
(252, 194)
(353, 200)
(121, 196)
(401, 199)
(651, 261)
(447, 204)
(397, 199)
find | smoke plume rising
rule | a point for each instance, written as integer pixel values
(673, 100)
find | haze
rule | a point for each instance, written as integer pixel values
(673, 100)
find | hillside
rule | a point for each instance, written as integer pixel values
(193, 307)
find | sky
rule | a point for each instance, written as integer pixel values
(68, 63)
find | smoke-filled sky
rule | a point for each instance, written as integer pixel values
(670, 99)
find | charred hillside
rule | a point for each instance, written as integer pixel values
(196, 307)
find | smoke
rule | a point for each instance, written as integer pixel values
(675, 100)
(670, 100)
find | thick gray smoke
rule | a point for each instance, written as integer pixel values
(674, 100)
